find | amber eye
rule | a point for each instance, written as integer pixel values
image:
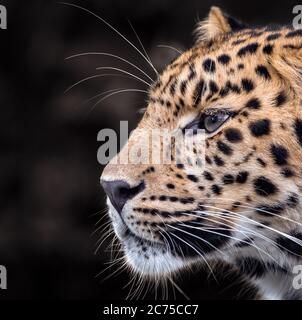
(213, 122)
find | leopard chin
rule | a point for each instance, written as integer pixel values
(148, 258)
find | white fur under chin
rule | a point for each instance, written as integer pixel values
(157, 264)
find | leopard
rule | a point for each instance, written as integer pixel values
(242, 86)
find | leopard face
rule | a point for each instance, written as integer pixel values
(243, 87)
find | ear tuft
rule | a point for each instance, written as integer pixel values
(215, 24)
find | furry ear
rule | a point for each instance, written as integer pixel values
(287, 60)
(215, 24)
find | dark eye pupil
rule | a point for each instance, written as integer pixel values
(213, 119)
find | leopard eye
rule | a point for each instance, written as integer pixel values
(213, 122)
(210, 122)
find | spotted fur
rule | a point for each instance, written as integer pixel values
(245, 206)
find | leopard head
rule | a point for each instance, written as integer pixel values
(242, 88)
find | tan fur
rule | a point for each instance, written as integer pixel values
(288, 61)
(215, 24)
(275, 70)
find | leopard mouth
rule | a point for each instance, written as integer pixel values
(123, 231)
(150, 259)
(153, 258)
(128, 234)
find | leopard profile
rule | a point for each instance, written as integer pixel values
(243, 87)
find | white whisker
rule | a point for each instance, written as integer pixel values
(114, 29)
(116, 92)
(294, 239)
(98, 76)
(140, 42)
(192, 247)
(170, 47)
(178, 288)
(102, 94)
(125, 72)
(113, 56)
(234, 238)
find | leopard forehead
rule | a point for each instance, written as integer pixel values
(223, 71)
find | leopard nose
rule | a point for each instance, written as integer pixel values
(119, 192)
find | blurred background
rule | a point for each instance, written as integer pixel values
(51, 200)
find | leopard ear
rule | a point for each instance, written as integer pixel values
(215, 24)
(287, 60)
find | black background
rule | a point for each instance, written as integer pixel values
(49, 174)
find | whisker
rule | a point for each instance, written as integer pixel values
(111, 262)
(102, 94)
(253, 208)
(193, 235)
(294, 239)
(234, 238)
(113, 56)
(103, 216)
(104, 225)
(230, 213)
(93, 77)
(125, 72)
(99, 212)
(132, 280)
(116, 272)
(107, 229)
(107, 268)
(178, 289)
(112, 28)
(114, 93)
(250, 231)
(192, 247)
(140, 42)
(170, 47)
(168, 246)
(99, 246)
(146, 290)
